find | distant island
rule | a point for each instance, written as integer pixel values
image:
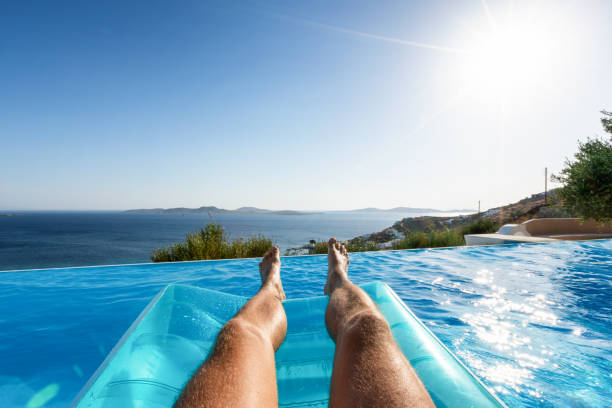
(255, 210)
(215, 210)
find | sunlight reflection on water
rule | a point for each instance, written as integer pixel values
(500, 322)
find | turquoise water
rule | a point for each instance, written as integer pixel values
(533, 321)
(171, 339)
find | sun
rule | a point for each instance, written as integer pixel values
(517, 52)
(509, 59)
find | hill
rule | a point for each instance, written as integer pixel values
(515, 213)
(403, 210)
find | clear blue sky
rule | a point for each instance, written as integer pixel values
(301, 105)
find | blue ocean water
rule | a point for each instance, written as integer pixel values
(54, 239)
(532, 320)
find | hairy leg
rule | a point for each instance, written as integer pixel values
(240, 371)
(369, 368)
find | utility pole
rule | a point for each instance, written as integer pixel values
(478, 207)
(545, 184)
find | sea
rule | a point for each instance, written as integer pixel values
(36, 239)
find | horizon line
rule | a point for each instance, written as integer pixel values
(15, 210)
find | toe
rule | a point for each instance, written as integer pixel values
(331, 242)
(270, 253)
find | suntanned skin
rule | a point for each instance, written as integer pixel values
(369, 368)
(240, 372)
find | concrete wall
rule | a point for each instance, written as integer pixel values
(561, 226)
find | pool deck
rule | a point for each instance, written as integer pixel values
(543, 230)
(497, 239)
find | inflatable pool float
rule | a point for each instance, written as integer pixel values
(174, 334)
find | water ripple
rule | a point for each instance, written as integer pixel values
(533, 321)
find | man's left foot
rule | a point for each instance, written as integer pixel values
(269, 270)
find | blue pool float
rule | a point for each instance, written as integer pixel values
(174, 334)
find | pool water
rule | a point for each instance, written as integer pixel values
(531, 320)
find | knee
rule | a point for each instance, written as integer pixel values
(237, 331)
(367, 327)
(368, 320)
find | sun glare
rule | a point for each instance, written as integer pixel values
(507, 59)
(517, 54)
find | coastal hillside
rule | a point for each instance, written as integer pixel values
(523, 210)
(404, 210)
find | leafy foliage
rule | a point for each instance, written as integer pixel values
(211, 242)
(354, 245)
(419, 239)
(433, 239)
(319, 248)
(587, 181)
(480, 226)
(361, 245)
(606, 121)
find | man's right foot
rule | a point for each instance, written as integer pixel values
(337, 269)
(269, 270)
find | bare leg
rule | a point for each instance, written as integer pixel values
(369, 368)
(240, 372)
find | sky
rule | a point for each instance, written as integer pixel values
(318, 105)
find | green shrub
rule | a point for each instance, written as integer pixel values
(211, 242)
(587, 181)
(447, 238)
(361, 245)
(434, 239)
(354, 245)
(319, 248)
(480, 226)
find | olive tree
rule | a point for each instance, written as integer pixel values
(587, 180)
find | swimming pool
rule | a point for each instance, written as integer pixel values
(532, 320)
